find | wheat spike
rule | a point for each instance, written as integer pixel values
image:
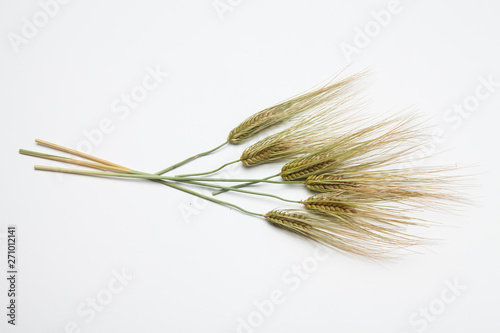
(338, 128)
(328, 183)
(265, 152)
(429, 186)
(294, 107)
(328, 156)
(326, 124)
(334, 232)
(364, 212)
(262, 120)
(378, 143)
(306, 166)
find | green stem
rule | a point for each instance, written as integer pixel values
(137, 174)
(232, 188)
(133, 173)
(208, 172)
(189, 159)
(242, 191)
(220, 202)
(250, 181)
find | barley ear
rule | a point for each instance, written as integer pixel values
(294, 107)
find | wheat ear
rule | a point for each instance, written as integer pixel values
(332, 232)
(328, 122)
(294, 107)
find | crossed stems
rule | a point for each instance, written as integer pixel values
(109, 169)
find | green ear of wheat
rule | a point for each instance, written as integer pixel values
(429, 186)
(294, 107)
(335, 233)
(326, 124)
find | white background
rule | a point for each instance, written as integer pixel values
(200, 267)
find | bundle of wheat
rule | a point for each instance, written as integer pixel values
(365, 203)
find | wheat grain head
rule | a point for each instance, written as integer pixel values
(294, 107)
(333, 232)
